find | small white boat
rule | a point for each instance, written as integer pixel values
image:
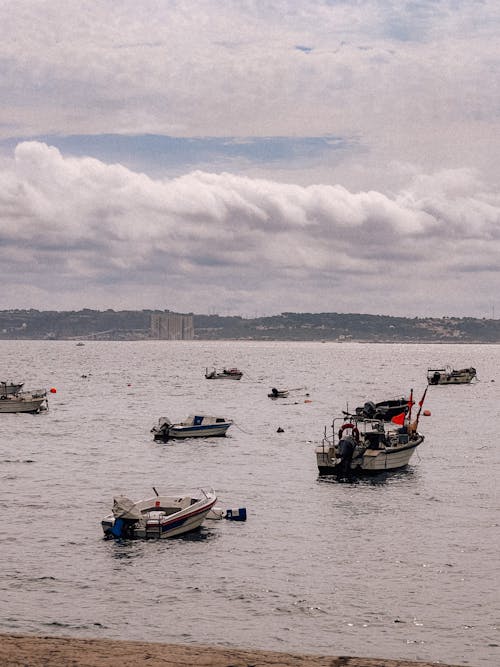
(194, 426)
(159, 517)
(362, 446)
(33, 401)
(225, 374)
(447, 375)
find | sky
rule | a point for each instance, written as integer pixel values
(248, 157)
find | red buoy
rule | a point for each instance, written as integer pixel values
(427, 413)
(53, 390)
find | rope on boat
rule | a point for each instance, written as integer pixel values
(241, 429)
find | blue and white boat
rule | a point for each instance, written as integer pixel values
(194, 426)
(158, 517)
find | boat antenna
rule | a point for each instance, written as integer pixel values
(410, 405)
(156, 492)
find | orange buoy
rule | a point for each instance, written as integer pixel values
(307, 401)
(53, 390)
(427, 413)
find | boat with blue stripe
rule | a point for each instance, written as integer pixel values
(194, 426)
(159, 517)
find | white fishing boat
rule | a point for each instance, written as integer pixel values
(159, 517)
(194, 426)
(447, 375)
(32, 401)
(361, 446)
(225, 374)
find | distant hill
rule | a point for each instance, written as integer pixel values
(135, 325)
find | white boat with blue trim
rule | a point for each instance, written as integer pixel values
(159, 517)
(194, 426)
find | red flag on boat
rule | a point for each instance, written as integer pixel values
(399, 419)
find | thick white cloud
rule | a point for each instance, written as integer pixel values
(79, 232)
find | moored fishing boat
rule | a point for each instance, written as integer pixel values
(159, 517)
(448, 375)
(361, 446)
(194, 426)
(33, 401)
(358, 445)
(225, 374)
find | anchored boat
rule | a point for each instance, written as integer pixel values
(225, 374)
(447, 375)
(361, 446)
(194, 426)
(159, 517)
(14, 400)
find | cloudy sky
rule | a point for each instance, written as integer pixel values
(251, 157)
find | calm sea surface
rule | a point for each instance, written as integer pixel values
(402, 567)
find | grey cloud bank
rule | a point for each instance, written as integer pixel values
(77, 232)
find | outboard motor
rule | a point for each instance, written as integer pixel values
(346, 449)
(435, 378)
(126, 517)
(161, 430)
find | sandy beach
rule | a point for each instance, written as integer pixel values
(34, 651)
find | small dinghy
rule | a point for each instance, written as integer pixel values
(225, 374)
(278, 393)
(447, 375)
(159, 517)
(194, 426)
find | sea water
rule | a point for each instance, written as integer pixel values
(401, 566)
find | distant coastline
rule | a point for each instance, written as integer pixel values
(86, 324)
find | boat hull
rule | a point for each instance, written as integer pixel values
(210, 431)
(373, 461)
(29, 405)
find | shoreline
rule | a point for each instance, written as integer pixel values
(50, 651)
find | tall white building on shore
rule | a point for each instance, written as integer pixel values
(172, 326)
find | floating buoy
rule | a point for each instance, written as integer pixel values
(280, 430)
(53, 390)
(129, 385)
(427, 413)
(239, 514)
(308, 400)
